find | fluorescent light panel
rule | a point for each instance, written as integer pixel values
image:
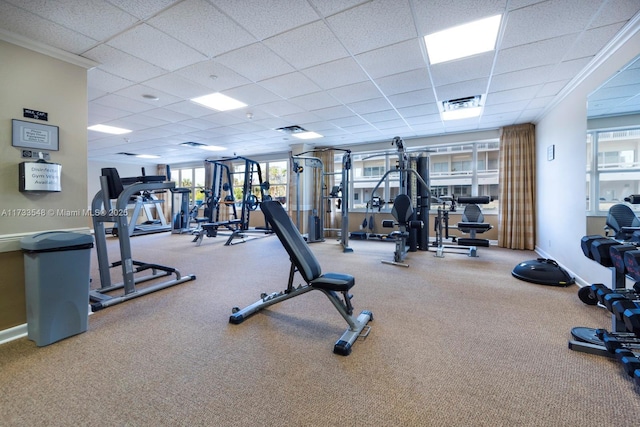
(464, 40)
(219, 102)
(306, 135)
(108, 129)
(462, 113)
(203, 146)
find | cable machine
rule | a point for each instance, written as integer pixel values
(413, 186)
(338, 193)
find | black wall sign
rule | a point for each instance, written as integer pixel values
(33, 114)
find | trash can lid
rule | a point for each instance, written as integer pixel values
(49, 240)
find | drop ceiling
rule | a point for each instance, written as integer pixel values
(354, 71)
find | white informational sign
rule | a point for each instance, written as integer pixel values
(40, 176)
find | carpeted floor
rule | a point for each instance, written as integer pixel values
(455, 341)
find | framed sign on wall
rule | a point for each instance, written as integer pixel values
(34, 135)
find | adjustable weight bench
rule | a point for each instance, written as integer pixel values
(304, 262)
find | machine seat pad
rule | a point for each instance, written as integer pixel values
(480, 227)
(334, 282)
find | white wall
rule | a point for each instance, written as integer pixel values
(561, 183)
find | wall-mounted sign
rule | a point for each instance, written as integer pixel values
(33, 114)
(40, 176)
(34, 135)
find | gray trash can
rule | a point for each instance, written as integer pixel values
(56, 270)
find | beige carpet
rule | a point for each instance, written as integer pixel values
(455, 341)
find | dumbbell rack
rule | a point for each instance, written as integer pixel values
(586, 339)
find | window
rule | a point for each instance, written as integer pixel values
(273, 172)
(193, 179)
(613, 168)
(277, 177)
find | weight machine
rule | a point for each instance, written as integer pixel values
(113, 188)
(413, 224)
(338, 194)
(222, 181)
(464, 245)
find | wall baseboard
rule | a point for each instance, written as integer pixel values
(579, 280)
(14, 333)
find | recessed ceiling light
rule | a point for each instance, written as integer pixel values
(150, 97)
(108, 129)
(218, 101)
(147, 156)
(464, 40)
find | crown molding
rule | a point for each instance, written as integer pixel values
(51, 51)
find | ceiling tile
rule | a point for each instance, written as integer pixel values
(101, 80)
(123, 103)
(380, 23)
(213, 75)
(526, 77)
(370, 106)
(178, 86)
(290, 85)
(553, 18)
(268, 18)
(475, 67)
(336, 73)
(591, 42)
(152, 45)
(34, 27)
(462, 89)
(210, 31)
(255, 62)
(94, 18)
(314, 101)
(404, 82)
(533, 55)
(394, 59)
(122, 64)
(413, 98)
(614, 11)
(306, 46)
(143, 9)
(355, 92)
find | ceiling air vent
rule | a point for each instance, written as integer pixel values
(462, 108)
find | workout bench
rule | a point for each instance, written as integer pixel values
(304, 262)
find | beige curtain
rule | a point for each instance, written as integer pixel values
(517, 219)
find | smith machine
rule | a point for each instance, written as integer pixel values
(411, 206)
(221, 201)
(321, 197)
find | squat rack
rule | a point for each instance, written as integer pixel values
(249, 201)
